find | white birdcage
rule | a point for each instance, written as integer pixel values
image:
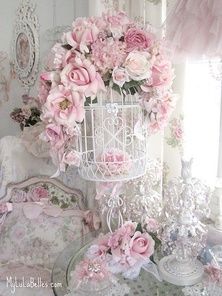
(113, 139)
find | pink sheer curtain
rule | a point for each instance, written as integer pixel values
(194, 28)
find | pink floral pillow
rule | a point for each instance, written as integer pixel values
(39, 223)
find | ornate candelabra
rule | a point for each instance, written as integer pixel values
(186, 202)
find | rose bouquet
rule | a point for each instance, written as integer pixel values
(114, 161)
(100, 53)
(29, 114)
(124, 252)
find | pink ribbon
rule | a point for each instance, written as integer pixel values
(111, 188)
(114, 202)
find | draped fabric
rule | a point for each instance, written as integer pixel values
(194, 28)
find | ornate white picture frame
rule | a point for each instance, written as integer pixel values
(25, 46)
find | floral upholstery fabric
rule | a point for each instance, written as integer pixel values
(43, 221)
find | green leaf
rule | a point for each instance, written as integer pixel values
(156, 239)
(139, 227)
(67, 46)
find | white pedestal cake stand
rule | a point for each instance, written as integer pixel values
(179, 273)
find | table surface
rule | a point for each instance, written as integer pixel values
(144, 285)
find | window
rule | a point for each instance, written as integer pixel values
(202, 105)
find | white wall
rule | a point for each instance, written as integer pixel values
(66, 11)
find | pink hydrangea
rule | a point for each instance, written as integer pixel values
(108, 54)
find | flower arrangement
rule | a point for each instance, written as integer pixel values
(114, 161)
(112, 52)
(29, 114)
(124, 252)
(176, 132)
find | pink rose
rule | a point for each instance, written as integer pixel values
(138, 65)
(54, 134)
(64, 106)
(72, 158)
(116, 23)
(81, 75)
(162, 76)
(37, 193)
(114, 162)
(178, 132)
(151, 225)
(83, 34)
(120, 76)
(137, 39)
(141, 245)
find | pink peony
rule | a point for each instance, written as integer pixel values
(120, 76)
(138, 39)
(138, 65)
(37, 193)
(84, 34)
(108, 54)
(114, 162)
(81, 75)
(141, 245)
(64, 106)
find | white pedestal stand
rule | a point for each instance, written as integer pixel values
(179, 273)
